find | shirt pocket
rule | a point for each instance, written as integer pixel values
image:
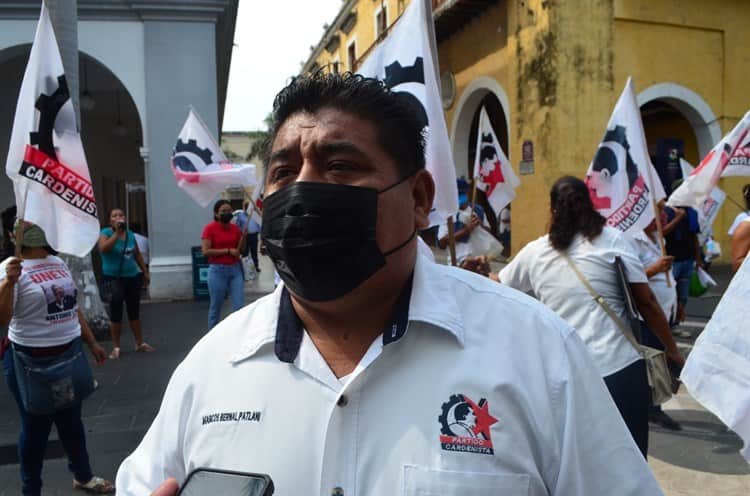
(423, 481)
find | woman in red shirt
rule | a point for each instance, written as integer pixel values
(222, 243)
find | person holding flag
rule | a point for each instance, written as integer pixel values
(44, 340)
(46, 161)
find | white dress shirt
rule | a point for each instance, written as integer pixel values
(474, 389)
(538, 267)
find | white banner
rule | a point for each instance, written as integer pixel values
(406, 61)
(621, 179)
(46, 161)
(255, 207)
(492, 170)
(200, 167)
(717, 372)
(730, 157)
(710, 208)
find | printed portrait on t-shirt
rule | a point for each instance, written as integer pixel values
(61, 299)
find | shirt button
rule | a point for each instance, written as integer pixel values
(342, 402)
(337, 491)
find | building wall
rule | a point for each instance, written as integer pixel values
(699, 45)
(558, 67)
(180, 69)
(363, 32)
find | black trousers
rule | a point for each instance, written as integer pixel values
(251, 245)
(629, 388)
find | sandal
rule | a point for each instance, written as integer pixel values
(145, 347)
(96, 485)
(115, 353)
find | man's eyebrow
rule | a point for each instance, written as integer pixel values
(333, 147)
(282, 154)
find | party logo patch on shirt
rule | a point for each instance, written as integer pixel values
(465, 425)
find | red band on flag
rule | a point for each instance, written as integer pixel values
(62, 173)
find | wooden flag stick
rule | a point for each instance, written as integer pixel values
(452, 241)
(474, 195)
(660, 229)
(20, 214)
(738, 204)
(19, 237)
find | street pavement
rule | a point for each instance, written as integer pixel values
(702, 459)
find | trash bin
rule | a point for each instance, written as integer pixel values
(200, 274)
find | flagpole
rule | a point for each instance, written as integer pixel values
(20, 221)
(452, 240)
(473, 195)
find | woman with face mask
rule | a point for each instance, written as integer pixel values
(221, 242)
(124, 269)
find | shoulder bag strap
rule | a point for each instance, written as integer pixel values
(603, 303)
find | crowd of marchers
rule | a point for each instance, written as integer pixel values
(395, 359)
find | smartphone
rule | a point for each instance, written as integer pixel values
(209, 482)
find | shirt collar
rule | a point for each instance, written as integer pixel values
(428, 297)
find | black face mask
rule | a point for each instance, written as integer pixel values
(321, 237)
(225, 217)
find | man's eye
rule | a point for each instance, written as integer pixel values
(341, 166)
(281, 173)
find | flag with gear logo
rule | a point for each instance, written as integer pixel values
(200, 167)
(405, 61)
(46, 161)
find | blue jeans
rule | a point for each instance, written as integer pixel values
(223, 279)
(682, 270)
(35, 429)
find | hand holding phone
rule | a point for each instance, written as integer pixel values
(207, 482)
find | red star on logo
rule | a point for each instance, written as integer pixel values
(484, 419)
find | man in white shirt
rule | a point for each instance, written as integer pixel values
(371, 370)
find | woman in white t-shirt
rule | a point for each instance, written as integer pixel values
(38, 305)
(580, 231)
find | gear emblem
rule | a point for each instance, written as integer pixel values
(184, 162)
(49, 106)
(447, 408)
(396, 74)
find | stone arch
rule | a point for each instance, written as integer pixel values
(692, 106)
(466, 108)
(111, 131)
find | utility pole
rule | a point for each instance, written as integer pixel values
(64, 17)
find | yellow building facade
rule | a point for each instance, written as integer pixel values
(550, 72)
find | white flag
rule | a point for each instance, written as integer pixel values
(621, 179)
(717, 371)
(710, 207)
(200, 167)
(492, 170)
(255, 207)
(730, 157)
(46, 161)
(406, 60)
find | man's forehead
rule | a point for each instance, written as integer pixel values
(324, 124)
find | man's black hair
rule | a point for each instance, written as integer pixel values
(399, 128)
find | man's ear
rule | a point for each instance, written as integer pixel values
(423, 192)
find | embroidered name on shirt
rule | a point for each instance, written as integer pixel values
(465, 426)
(248, 416)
